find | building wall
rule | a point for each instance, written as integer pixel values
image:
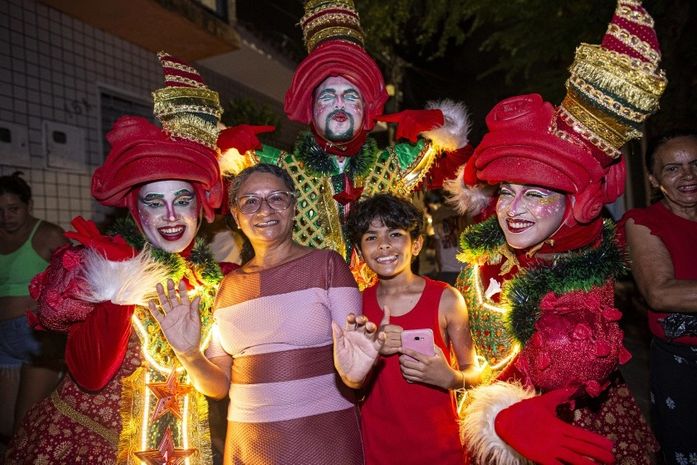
(53, 68)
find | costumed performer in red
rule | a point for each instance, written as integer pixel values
(127, 399)
(540, 273)
(339, 91)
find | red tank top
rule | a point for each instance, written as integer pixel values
(679, 236)
(403, 423)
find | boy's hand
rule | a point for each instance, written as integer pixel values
(393, 335)
(427, 369)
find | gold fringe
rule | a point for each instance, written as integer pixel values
(605, 100)
(613, 71)
(594, 121)
(192, 128)
(131, 413)
(173, 93)
(133, 408)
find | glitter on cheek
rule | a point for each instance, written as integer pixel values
(547, 206)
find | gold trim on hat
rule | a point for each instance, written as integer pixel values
(603, 131)
(633, 15)
(166, 101)
(180, 67)
(615, 72)
(606, 100)
(586, 134)
(634, 42)
(336, 31)
(349, 21)
(192, 128)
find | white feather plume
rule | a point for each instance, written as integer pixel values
(128, 282)
(454, 133)
(477, 424)
(468, 200)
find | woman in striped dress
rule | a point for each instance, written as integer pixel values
(279, 350)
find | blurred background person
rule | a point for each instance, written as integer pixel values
(29, 360)
(447, 225)
(661, 240)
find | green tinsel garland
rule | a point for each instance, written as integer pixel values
(482, 239)
(318, 163)
(582, 270)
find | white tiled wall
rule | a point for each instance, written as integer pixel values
(52, 68)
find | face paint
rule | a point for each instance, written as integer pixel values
(528, 215)
(337, 112)
(169, 214)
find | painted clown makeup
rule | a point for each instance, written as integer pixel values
(169, 214)
(338, 110)
(528, 215)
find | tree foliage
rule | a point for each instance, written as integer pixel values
(528, 43)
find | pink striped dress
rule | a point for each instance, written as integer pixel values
(287, 403)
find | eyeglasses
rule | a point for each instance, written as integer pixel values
(278, 201)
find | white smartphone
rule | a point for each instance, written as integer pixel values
(419, 340)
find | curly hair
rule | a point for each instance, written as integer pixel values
(392, 211)
(15, 184)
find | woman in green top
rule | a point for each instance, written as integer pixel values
(27, 371)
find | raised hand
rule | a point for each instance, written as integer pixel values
(532, 428)
(114, 248)
(410, 123)
(242, 137)
(178, 317)
(427, 369)
(355, 348)
(393, 335)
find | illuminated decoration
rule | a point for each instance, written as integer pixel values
(490, 323)
(166, 453)
(169, 395)
(162, 415)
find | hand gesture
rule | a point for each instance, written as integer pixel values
(355, 348)
(532, 428)
(427, 369)
(242, 137)
(411, 123)
(393, 335)
(178, 317)
(114, 248)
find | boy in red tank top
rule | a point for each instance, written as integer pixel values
(408, 415)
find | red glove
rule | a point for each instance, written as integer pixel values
(242, 137)
(96, 346)
(532, 428)
(411, 123)
(114, 248)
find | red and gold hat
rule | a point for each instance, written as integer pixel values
(184, 149)
(574, 148)
(334, 41)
